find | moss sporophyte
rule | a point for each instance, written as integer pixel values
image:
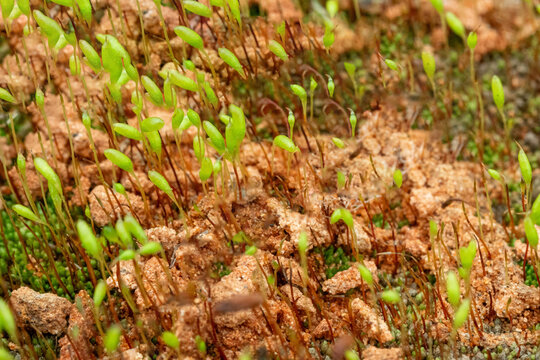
(341, 175)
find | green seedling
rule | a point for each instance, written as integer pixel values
(153, 90)
(285, 143)
(119, 159)
(152, 124)
(199, 148)
(112, 338)
(150, 248)
(5, 355)
(197, 8)
(391, 297)
(161, 183)
(7, 321)
(329, 36)
(462, 313)
(74, 65)
(472, 40)
(85, 8)
(455, 25)
(466, 256)
(49, 174)
(291, 120)
(353, 120)
(338, 142)
(343, 215)
(216, 139)
(123, 233)
(332, 7)
(438, 5)
(135, 229)
(535, 211)
(171, 340)
(201, 344)
(26, 213)
(6, 96)
(127, 131)
(50, 28)
(392, 65)
(497, 91)
(531, 232)
(127, 255)
(206, 170)
(495, 175)
(169, 93)
(235, 131)
(88, 239)
(351, 355)
(365, 274)
(428, 61)
(525, 167)
(341, 180)
(182, 81)
(452, 289)
(194, 118)
(230, 59)
(331, 86)
(234, 7)
(100, 292)
(398, 178)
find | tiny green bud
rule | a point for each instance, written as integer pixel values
(7, 321)
(251, 250)
(127, 255)
(123, 233)
(344, 215)
(26, 213)
(88, 239)
(303, 243)
(428, 61)
(331, 86)
(194, 117)
(21, 164)
(365, 274)
(169, 93)
(285, 143)
(177, 118)
(341, 180)
(198, 147)
(497, 91)
(119, 188)
(328, 37)
(433, 229)
(438, 5)
(6, 96)
(133, 226)
(291, 120)
(392, 64)
(74, 65)
(197, 8)
(467, 255)
(112, 338)
(152, 124)
(353, 120)
(300, 92)
(85, 7)
(525, 167)
(100, 292)
(230, 59)
(153, 90)
(312, 85)
(390, 297)
(338, 142)
(332, 7)
(48, 173)
(201, 345)
(452, 288)
(190, 37)
(278, 50)
(495, 175)
(127, 131)
(216, 139)
(472, 39)
(531, 232)
(150, 248)
(170, 340)
(351, 355)
(455, 25)
(535, 211)
(234, 6)
(40, 98)
(119, 159)
(462, 313)
(161, 183)
(398, 178)
(206, 170)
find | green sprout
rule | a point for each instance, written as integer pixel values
(278, 50)
(112, 338)
(391, 297)
(455, 25)
(398, 178)
(197, 8)
(331, 86)
(452, 289)
(230, 59)
(428, 61)
(462, 313)
(338, 142)
(531, 232)
(6, 96)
